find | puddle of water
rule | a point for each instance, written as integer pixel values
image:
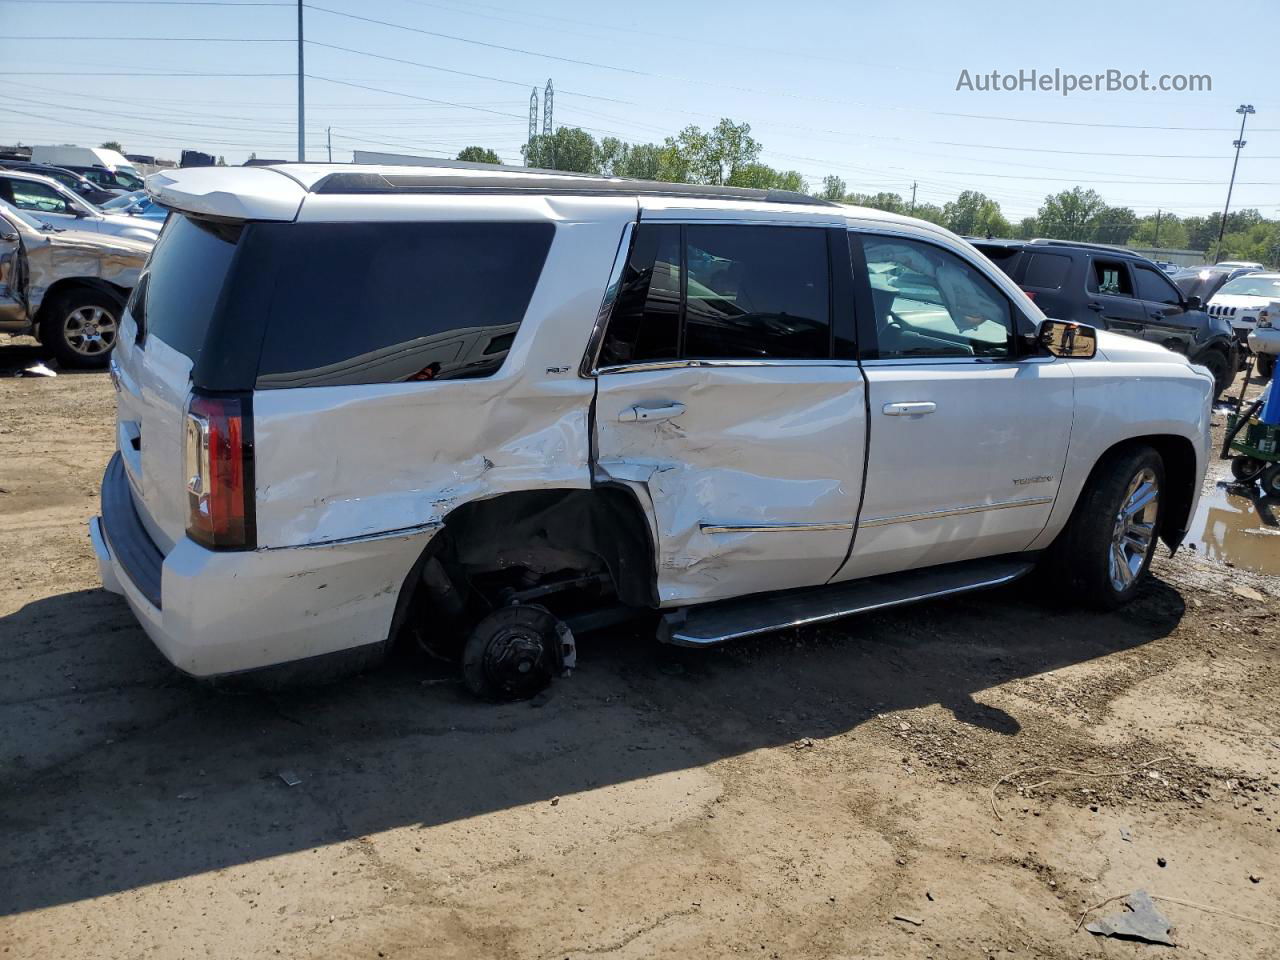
(1236, 523)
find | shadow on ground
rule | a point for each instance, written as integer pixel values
(118, 773)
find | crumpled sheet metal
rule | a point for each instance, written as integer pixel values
(1142, 921)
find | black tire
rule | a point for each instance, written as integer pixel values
(1247, 469)
(1270, 481)
(1266, 366)
(511, 654)
(80, 326)
(1217, 364)
(1079, 564)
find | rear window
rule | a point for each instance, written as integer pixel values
(385, 302)
(277, 305)
(1047, 271)
(178, 294)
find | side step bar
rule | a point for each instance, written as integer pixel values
(718, 622)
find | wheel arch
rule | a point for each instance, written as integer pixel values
(1181, 479)
(541, 529)
(60, 288)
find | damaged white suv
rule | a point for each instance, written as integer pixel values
(492, 410)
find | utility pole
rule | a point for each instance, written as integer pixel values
(302, 111)
(1244, 110)
(328, 136)
(547, 103)
(913, 198)
(1156, 242)
(533, 124)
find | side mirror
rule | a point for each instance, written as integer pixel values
(1065, 339)
(77, 212)
(1193, 303)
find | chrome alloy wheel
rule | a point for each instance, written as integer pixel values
(1134, 530)
(90, 330)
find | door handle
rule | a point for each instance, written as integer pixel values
(910, 408)
(1095, 307)
(636, 414)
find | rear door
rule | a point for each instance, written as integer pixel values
(162, 336)
(728, 398)
(1112, 297)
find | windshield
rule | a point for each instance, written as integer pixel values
(13, 213)
(1264, 286)
(127, 179)
(125, 201)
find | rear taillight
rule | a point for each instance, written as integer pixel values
(219, 472)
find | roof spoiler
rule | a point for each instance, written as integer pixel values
(228, 193)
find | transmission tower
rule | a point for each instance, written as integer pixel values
(546, 109)
(533, 122)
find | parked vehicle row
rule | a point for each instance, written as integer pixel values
(1121, 291)
(66, 288)
(536, 404)
(53, 203)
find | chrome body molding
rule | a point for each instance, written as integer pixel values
(954, 512)
(687, 364)
(771, 527)
(430, 527)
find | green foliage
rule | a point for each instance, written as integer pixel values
(973, 214)
(569, 148)
(1028, 228)
(714, 156)
(113, 145)
(763, 177)
(1071, 214)
(478, 155)
(833, 188)
(878, 201)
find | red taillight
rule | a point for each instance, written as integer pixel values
(1030, 293)
(219, 472)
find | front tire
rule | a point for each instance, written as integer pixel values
(1266, 366)
(1217, 364)
(81, 327)
(1099, 560)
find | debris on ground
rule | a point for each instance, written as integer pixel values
(290, 778)
(1141, 921)
(1248, 593)
(37, 370)
(914, 921)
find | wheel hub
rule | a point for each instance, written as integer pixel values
(1134, 530)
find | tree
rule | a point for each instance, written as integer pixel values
(764, 177)
(833, 188)
(113, 145)
(569, 148)
(891, 202)
(643, 161)
(1028, 228)
(1071, 214)
(713, 157)
(222, 161)
(975, 214)
(478, 155)
(1114, 225)
(1171, 232)
(927, 211)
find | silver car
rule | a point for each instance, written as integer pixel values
(67, 288)
(50, 201)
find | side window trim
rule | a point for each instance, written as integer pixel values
(590, 366)
(1091, 278)
(866, 312)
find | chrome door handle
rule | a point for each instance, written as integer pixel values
(636, 414)
(910, 408)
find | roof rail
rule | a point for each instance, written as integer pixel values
(1088, 246)
(521, 183)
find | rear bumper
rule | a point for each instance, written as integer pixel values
(1265, 340)
(218, 612)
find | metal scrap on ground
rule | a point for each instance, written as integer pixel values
(1142, 921)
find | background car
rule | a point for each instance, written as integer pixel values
(67, 288)
(136, 204)
(1243, 300)
(1117, 290)
(116, 181)
(72, 181)
(55, 204)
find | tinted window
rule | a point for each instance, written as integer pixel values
(1152, 285)
(380, 302)
(645, 322)
(755, 292)
(748, 292)
(930, 303)
(184, 278)
(1047, 271)
(1006, 258)
(35, 196)
(1110, 277)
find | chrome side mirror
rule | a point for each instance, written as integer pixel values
(1063, 338)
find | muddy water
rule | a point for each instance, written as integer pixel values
(1235, 524)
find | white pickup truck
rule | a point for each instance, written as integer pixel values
(492, 410)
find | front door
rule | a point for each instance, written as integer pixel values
(45, 203)
(1167, 321)
(732, 405)
(967, 436)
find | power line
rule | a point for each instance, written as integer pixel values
(165, 39)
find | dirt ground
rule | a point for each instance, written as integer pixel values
(987, 767)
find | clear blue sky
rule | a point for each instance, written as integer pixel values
(866, 91)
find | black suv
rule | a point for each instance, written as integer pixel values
(1116, 290)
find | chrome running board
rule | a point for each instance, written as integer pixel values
(733, 619)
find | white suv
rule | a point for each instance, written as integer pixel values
(489, 410)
